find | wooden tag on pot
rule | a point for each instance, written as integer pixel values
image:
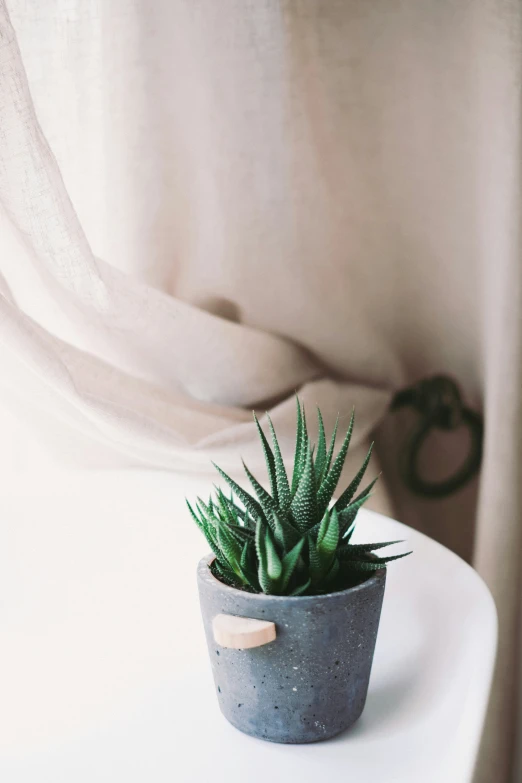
(242, 633)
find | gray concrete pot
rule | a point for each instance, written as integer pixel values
(310, 682)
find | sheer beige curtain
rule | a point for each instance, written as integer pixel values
(206, 205)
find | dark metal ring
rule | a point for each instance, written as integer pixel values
(439, 403)
(471, 465)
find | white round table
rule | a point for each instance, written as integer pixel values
(104, 676)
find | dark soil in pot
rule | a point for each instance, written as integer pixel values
(311, 682)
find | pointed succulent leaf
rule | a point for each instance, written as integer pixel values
(283, 488)
(346, 497)
(391, 558)
(315, 566)
(268, 504)
(206, 513)
(319, 529)
(274, 566)
(302, 588)
(349, 531)
(302, 448)
(248, 501)
(304, 504)
(211, 523)
(245, 520)
(367, 491)
(213, 544)
(233, 512)
(246, 563)
(237, 511)
(361, 565)
(374, 564)
(330, 539)
(230, 548)
(239, 541)
(266, 584)
(364, 548)
(323, 527)
(244, 556)
(298, 445)
(347, 518)
(211, 536)
(262, 565)
(260, 539)
(224, 511)
(194, 516)
(269, 459)
(320, 457)
(305, 442)
(284, 533)
(329, 482)
(331, 448)
(241, 534)
(289, 564)
(264, 580)
(239, 514)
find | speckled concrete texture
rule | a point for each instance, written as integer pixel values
(311, 682)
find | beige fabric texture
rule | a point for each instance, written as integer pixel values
(207, 205)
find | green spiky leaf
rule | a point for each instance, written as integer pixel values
(331, 448)
(375, 563)
(207, 513)
(211, 540)
(304, 504)
(262, 567)
(248, 563)
(268, 504)
(305, 443)
(224, 509)
(274, 567)
(251, 505)
(320, 457)
(362, 548)
(283, 488)
(302, 445)
(323, 527)
(352, 488)
(285, 533)
(298, 445)
(290, 561)
(241, 534)
(328, 541)
(347, 518)
(366, 491)
(270, 461)
(194, 516)
(315, 565)
(329, 482)
(230, 548)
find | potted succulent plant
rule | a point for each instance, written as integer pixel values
(290, 606)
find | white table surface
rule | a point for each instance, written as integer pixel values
(104, 676)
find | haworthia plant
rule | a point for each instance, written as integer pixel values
(295, 539)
